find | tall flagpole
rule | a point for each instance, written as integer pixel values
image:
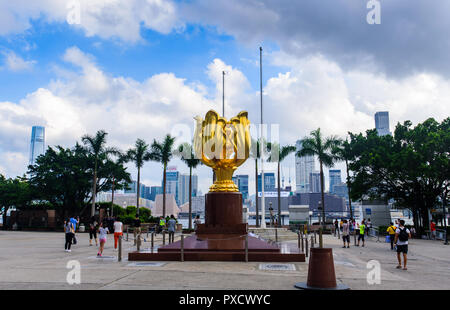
(223, 93)
(263, 206)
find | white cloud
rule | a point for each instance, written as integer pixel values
(314, 92)
(15, 63)
(104, 18)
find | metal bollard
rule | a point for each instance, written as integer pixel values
(246, 248)
(315, 237)
(320, 238)
(182, 248)
(307, 251)
(119, 254)
(127, 234)
(276, 235)
(303, 245)
(298, 237)
(312, 241)
(164, 237)
(147, 231)
(354, 234)
(153, 239)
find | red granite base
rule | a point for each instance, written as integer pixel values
(219, 248)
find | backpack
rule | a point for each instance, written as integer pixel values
(403, 235)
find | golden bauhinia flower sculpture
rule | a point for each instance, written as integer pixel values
(222, 145)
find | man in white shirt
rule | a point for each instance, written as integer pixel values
(118, 231)
(402, 234)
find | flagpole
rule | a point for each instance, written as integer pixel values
(263, 206)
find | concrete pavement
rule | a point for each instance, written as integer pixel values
(36, 260)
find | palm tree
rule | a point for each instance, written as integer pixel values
(187, 156)
(343, 152)
(278, 154)
(162, 153)
(116, 172)
(139, 155)
(95, 145)
(316, 145)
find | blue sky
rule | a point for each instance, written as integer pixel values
(137, 68)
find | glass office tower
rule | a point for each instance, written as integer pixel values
(37, 146)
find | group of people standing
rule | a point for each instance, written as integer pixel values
(96, 228)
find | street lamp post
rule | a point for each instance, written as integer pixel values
(263, 207)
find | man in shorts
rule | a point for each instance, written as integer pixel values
(402, 234)
(346, 233)
(362, 231)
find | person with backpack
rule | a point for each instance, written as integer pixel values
(346, 233)
(402, 234)
(69, 233)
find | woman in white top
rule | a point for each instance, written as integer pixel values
(102, 237)
(118, 231)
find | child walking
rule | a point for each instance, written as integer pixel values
(102, 232)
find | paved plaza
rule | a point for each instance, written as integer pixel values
(37, 260)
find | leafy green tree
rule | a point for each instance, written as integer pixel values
(187, 156)
(139, 155)
(62, 177)
(316, 145)
(162, 152)
(278, 154)
(13, 193)
(96, 146)
(411, 167)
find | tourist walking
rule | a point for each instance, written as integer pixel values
(118, 231)
(162, 224)
(402, 234)
(433, 230)
(102, 232)
(137, 229)
(75, 223)
(93, 231)
(69, 233)
(171, 228)
(391, 232)
(336, 226)
(346, 233)
(369, 226)
(362, 231)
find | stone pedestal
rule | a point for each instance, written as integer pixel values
(221, 238)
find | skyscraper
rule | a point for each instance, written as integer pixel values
(269, 182)
(183, 190)
(172, 183)
(314, 182)
(242, 183)
(303, 167)
(335, 178)
(382, 123)
(37, 145)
